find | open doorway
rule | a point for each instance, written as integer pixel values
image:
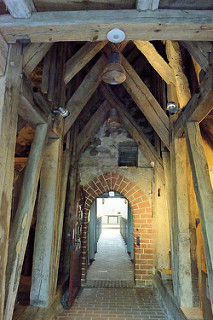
(110, 241)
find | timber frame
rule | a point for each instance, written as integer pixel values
(71, 75)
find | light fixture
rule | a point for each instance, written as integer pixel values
(62, 112)
(113, 121)
(116, 35)
(114, 73)
(172, 107)
(111, 193)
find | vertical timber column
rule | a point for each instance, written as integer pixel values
(182, 277)
(9, 98)
(204, 193)
(44, 274)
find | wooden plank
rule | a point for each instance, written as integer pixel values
(45, 73)
(147, 5)
(156, 61)
(33, 55)
(20, 8)
(204, 194)
(134, 130)
(3, 55)
(84, 92)
(199, 106)
(9, 92)
(92, 126)
(182, 84)
(44, 273)
(52, 75)
(22, 221)
(200, 51)
(146, 102)
(94, 25)
(81, 58)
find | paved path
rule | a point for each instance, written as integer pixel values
(113, 303)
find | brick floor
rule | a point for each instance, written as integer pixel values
(114, 303)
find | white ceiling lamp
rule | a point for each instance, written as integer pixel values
(116, 35)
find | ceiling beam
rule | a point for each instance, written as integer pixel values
(84, 92)
(92, 126)
(94, 25)
(20, 8)
(200, 51)
(199, 106)
(81, 58)
(3, 55)
(146, 102)
(33, 55)
(134, 130)
(147, 5)
(156, 61)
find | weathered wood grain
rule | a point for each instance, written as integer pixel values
(22, 221)
(81, 58)
(3, 55)
(94, 25)
(84, 92)
(147, 5)
(204, 193)
(20, 8)
(9, 96)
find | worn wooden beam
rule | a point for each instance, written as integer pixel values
(200, 51)
(146, 102)
(92, 126)
(147, 5)
(175, 61)
(81, 58)
(33, 55)
(45, 73)
(156, 61)
(204, 194)
(44, 274)
(22, 221)
(9, 95)
(84, 92)
(94, 25)
(199, 106)
(3, 55)
(134, 130)
(20, 8)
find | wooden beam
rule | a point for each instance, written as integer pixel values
(84, 92)
(156, 61)
(33, 55)
(182, 84)
(147, 5)
(94, 25)
(3, 55)
(199, 106)
(81, 58)
(200, 51)
(92, 126)
(146, 102)
(9, 93)
(44, 273)
(134, 130)
(45, 73)
(20, 8)
(203, 191)
(21, 225)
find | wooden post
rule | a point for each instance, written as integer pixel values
(9, 97)
(181, 267)
(203, 191)
(44, 276)
(21, 225)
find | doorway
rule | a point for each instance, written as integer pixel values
(110, 241)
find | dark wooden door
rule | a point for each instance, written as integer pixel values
(75, 247)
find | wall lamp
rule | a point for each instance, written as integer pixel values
(64, 113)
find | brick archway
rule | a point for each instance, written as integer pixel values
(142, 222)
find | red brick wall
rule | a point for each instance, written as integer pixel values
(142, 222)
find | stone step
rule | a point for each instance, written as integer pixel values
(192, 313)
